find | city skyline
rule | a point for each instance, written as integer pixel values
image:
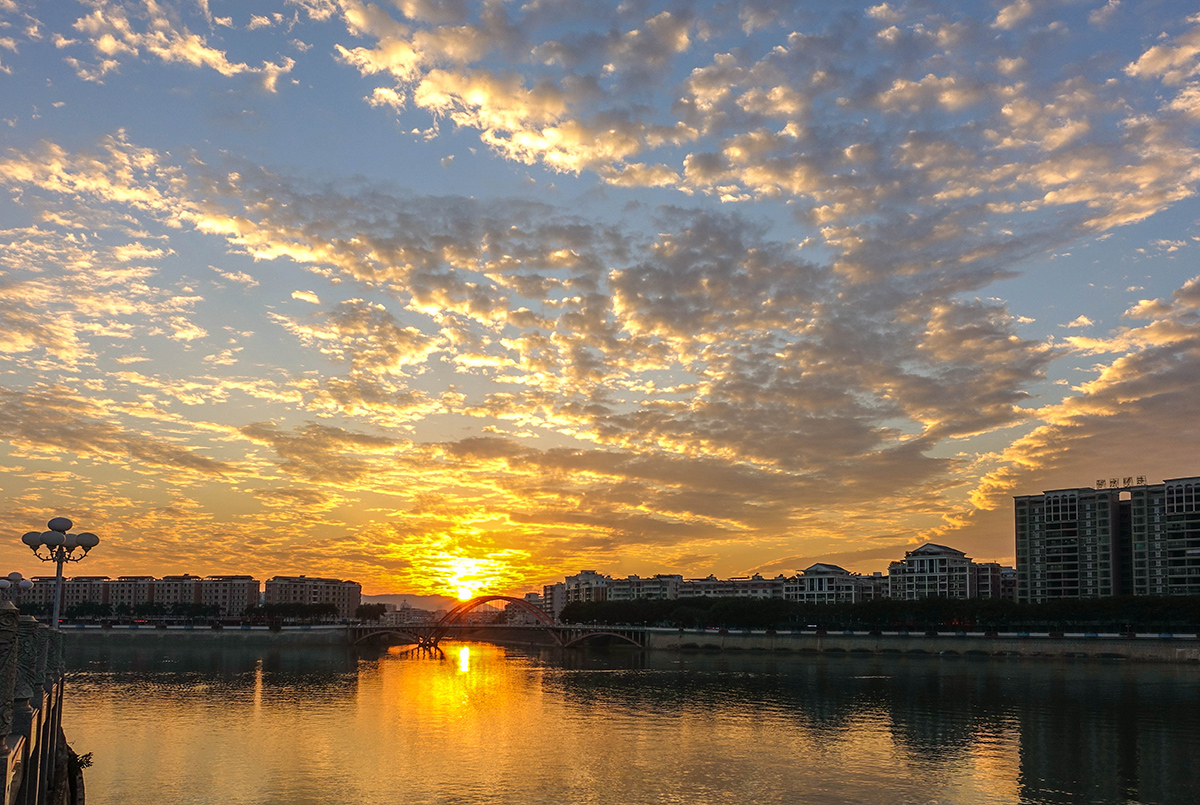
(442, 295)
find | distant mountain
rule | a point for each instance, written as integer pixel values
(430, 602)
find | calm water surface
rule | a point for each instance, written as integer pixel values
(483, 724)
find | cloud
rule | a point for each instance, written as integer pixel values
(1103, 14)
(321, 453)
(1172, 63)
(51, 421)
(118, 30)
(1013, 14)
(240, 277)
(1133, 410)
(759, 326)
(366, 336)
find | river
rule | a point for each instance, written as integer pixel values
(484, 724)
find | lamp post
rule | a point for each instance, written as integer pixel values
(59, 548)
(13, 584)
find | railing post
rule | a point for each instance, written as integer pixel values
(8, 668)
(51, 719)
(56, 662)
(40, 757)
(43, 655)
(27, 657)
(8, 682)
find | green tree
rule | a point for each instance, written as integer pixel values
(370, 612)
(292, 612)
(88, 609)
(149, 609)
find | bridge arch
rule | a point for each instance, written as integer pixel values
(457, 613)
(429, 635)
(575, 641)
(404, 633)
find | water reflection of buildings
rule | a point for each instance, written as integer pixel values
(1110, 735)
(1085, 732)
(894, 729)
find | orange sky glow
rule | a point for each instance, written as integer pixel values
(448, 298)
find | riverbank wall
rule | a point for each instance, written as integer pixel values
(299, 635)
(1172, 649)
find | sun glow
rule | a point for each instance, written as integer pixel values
(467, 577)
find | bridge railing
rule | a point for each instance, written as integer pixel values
(33, 754)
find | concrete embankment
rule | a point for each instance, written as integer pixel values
(298, 635)
(1110, 647)
(1142, 648)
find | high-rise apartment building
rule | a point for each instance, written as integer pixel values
(1164, 531)
(1117, 538)
(554, 599)
(1069, 544)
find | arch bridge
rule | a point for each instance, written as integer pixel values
(430, 635)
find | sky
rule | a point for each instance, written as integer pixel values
(454, 295)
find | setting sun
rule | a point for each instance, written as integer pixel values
(466, 577)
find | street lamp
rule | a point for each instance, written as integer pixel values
(13, 584)
(60, 547)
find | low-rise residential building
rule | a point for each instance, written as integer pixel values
(993, 580)
(130, 591)
(871, 586)
(404, 615)
(1008, 583)
(757, 587)
(41, 593)
(737, 587)
(932, 570)
(232, 595)
(822, 583)
(172, 590)
(586, 586)
(344, 595)
(516, 615)
(660, 586)
(83, 589)
(708, 587)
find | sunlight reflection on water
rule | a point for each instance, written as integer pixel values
(484, 724)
